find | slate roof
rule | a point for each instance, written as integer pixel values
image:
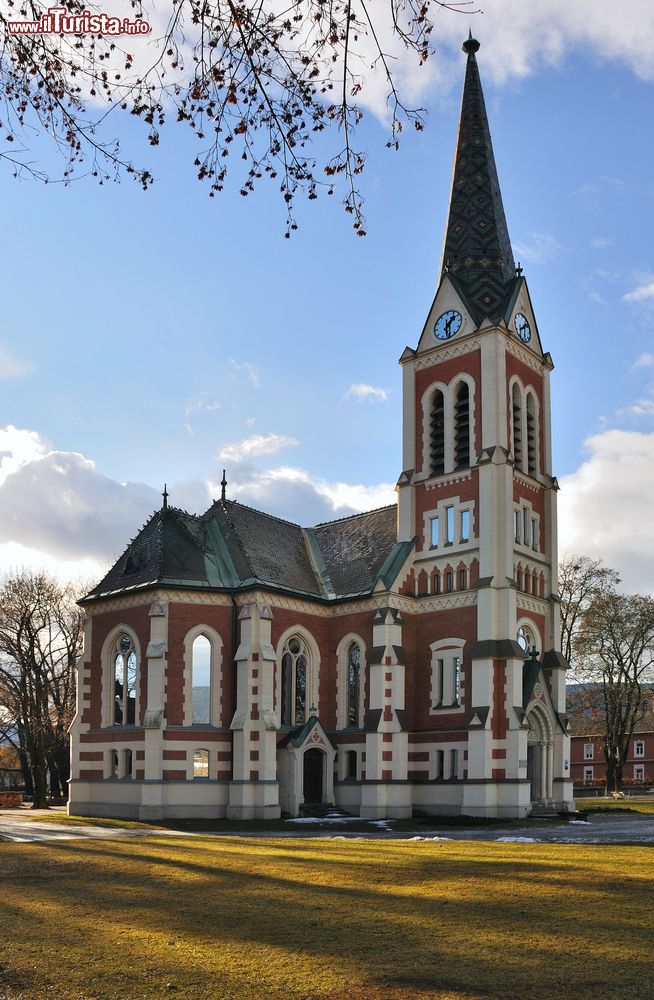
(355, 548)
(587, 715)
(233, 546)
(477, 250)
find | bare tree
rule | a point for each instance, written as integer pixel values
(258, 79)
(40, 640)
(615, 643)
(581, 581)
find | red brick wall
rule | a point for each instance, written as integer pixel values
(181, 619)
(136, 618)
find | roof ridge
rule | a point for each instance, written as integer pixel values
(350, 517)
(237, 503)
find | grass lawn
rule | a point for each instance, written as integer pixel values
(324, 919)
(641, 805)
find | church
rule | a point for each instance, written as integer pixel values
(401, 661)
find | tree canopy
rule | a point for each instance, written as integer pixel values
(255, 81)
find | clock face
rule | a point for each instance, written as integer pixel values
(448, 324)
(522, 327)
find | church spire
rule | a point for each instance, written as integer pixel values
(477, 250)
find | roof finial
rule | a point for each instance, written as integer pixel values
(471, 44)
(519, 269)
(223, 486)
(165, 496)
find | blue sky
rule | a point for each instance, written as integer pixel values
(159, 336)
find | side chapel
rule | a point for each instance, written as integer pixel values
(406, 659)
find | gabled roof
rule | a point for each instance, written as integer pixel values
(477, 249)
(233, 546)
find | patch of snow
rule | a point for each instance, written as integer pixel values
(326, 819)
(518, 840)
(584, 822)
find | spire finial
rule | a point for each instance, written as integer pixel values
(223, 486)
(471, 44)
(165, 496)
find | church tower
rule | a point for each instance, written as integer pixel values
(478, 495)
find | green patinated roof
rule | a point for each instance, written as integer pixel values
(233, 546)
(477, 250)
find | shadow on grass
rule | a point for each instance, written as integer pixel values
(318, 918)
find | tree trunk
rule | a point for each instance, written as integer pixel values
(613, 776)
(40, 784)
(27, 774)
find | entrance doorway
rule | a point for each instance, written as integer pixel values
(313, 775)
(533, 770)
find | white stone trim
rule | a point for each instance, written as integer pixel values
(448, 390)
(313, 667)
(107, 661)
(440, 701)
(341, 679)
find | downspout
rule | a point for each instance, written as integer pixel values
(234, 677)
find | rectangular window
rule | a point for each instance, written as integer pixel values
(465, 525)
(454, 763)
(516, 525)
(639, 748)
(588, 774)
(439, 682)
(449, 511)
(434, 532)
(534, 534)
(440, 764)
(589, 751)
(525, 526)
(639, 772)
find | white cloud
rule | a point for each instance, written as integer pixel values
(518, 40)
(257, 444)
(201, 403)
(11, 367)
(641, 408)
(605, 506)
(540, 247)
(56, 504)
(645, 360)
(248, 371)
(642, 293)
(601, 243)
(293, 494)
(18, 447)
(362, 391)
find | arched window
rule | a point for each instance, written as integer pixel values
(113, 763)
(516, 409)
(294, 682)
(200, 763)
(125, 669)
(351, 764)
(201, 682)
(525, 638)
(437, 435)
(531, 436)
(462, 426)
(353, 684)
(127, 763)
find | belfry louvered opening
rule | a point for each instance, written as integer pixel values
(517, 426)
(437, 435)
(462, 426)
(531, 436)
